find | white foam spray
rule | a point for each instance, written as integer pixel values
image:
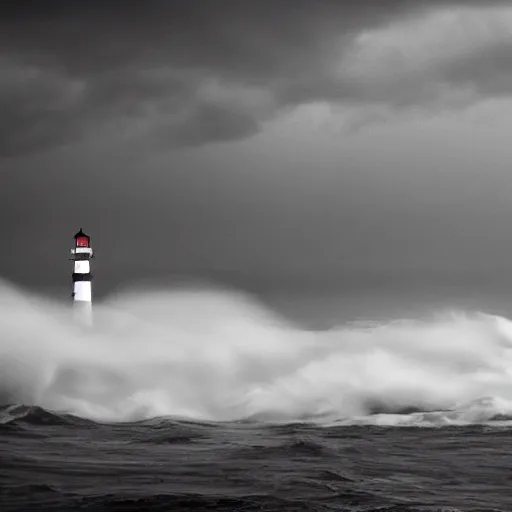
(216, 355)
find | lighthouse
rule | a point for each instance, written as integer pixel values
(81, 256)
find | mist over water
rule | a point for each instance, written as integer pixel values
(217, 355)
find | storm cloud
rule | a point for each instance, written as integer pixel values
(213, 138)
(189, 73)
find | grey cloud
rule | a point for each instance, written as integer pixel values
(37, 110)
(85, 64)
(488, 71)
(211, 123)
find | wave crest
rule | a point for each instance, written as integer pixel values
(219, 356)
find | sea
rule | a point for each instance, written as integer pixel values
(204, 398)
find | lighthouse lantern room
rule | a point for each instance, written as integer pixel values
(82, 240)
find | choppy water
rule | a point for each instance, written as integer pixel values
(205, 400)
(51, 462)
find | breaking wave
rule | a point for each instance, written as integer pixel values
(216, 355)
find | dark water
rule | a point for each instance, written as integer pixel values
(61, 463)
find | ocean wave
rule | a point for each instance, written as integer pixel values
(212, 355)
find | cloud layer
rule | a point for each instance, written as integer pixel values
(190, 73)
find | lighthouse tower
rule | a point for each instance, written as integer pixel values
(81, 255)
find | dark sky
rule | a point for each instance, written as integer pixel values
(274, 144)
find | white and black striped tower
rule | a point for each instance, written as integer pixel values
(81, 255)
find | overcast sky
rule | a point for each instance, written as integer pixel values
(287, 144)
